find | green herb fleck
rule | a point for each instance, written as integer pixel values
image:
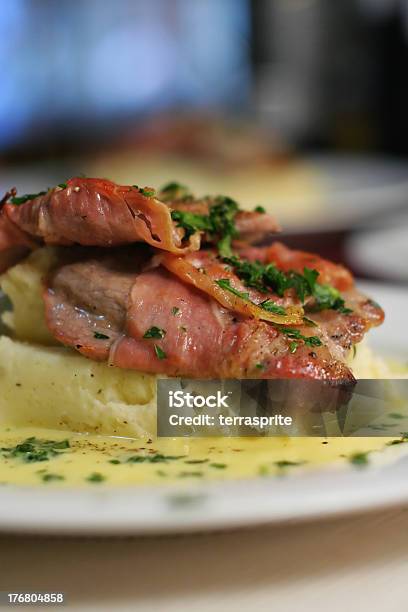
(225, 283)
(359, 459)
(155, 332)
(96, 477)
(259, 209)
(17, 200)
(293, 347)
(271, 306)
(33, 450)
(175, 310)
(153, 458)
(100, 336)
(51, 477)
(148, 192)
(160, 354)
(283, 463)
(218, 466)
(174, 191)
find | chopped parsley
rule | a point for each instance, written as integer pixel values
(33, 450)
(100, 336)
(48, 477)
(219, 223)
(62, 185)
(293, 347)
(295, 334)
(283, 463)
(271, 306)
(359, 459)
(259, 209)
(175, 310)
(96, 477)
(154, 332)
(267, 305)
(225, 283)
(17, 200)
(148, 192)
(267, 277)
(160, 354)
(153, 458)
(175, 191)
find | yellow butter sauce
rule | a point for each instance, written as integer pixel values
(46, 459)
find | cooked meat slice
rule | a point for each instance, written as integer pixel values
(87, 301)
(98, 212)
(157, 321)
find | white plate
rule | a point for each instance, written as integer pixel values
(221, 505)
(356, 191)
(382, 252)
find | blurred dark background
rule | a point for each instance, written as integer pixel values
(300, 105)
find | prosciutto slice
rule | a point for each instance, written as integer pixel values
(107, 309)
(98, 212)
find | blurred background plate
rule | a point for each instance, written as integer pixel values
(382, 253)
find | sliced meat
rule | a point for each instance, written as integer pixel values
(194, 334)
(87, 301)
(97, 212)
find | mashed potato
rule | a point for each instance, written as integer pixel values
(44, 385)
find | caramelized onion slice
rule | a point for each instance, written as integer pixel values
(190, 274)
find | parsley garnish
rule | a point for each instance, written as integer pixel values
(175, 310)
(50, 477)
(225, 283)
(283, 463)
(96, 477)
(100, 336)
(154, 332)
(62, 185)
(271, 306)
(268, 305)
(259, 209)
(160, 354)
(267, 277)
(33, 450)
(360, 459)
(174, 191)
(17, 200)
(294, 334)
(156, 458)
(148, 192)
(219, 223)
